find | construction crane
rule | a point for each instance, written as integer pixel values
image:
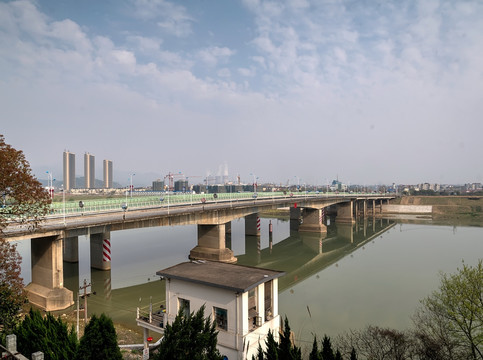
(172, 176)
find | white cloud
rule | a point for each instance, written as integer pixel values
(214, 55)
(171, 17)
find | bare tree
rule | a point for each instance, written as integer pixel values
(377, 343)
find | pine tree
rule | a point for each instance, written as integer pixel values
(259, 353)
(327, 352)
(99, 340)
(190, 337)
(47, 334)
(314, 354)
(272, 347)
(353, 354)
(287, 351)
(338, 355)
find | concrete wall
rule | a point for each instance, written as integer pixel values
(407, 209)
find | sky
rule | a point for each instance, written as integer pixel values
(369, 91)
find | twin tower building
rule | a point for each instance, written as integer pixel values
(89, 171)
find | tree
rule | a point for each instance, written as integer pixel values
(450, 322)
(327, 352)
(190, 337)
(99, 340)
(287, 350)
(314, 354)
(47, 334)
(353, 354)
(12, 294)
(284, 350)
(23, 197)
(377, 343)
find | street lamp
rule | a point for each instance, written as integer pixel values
(131, 188)
(63, 201)
(254, 182)
(298, 182)
(50, 184)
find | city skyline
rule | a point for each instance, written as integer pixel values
(372, 92)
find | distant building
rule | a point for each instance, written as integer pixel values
(107, 170)
(242, 301)
(89, 171)
(158, 185)
(69, 170)
(181, 185)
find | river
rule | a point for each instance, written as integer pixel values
(375, 272)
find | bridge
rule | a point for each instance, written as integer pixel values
(56, 239)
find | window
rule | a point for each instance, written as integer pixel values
(221, 318)
(185, 305)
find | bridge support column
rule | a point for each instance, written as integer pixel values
(47, 289)
(373, 207)
(294, 219)
(252, 225)
(345, 213)
(71, 249)
(101, 251)
(365, 209)
(313, 221)
(211, 244)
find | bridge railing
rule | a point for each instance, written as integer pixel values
(148, 200)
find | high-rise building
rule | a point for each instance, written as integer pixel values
(89, 171)
(107, 167)
(158, 185)
(69, 170)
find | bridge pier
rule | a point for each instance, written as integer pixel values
(345, 213)
(71, 249)
(294, 218)
(313, 221)
(212, 244)
(47, 289)
(252, 225)
(101, 251)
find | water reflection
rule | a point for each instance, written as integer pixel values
(353, 275)
(303, 254)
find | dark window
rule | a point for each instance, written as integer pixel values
(221, 318)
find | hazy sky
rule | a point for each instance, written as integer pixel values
(374, 91)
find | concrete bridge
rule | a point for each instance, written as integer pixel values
(56, 239)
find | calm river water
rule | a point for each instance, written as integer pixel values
(372, 273)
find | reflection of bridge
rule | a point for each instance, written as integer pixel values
(305, 254)
(57, 239)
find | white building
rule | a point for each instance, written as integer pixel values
(241, 300)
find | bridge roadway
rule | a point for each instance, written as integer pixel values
(56, 239)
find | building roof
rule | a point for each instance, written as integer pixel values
(227, 276)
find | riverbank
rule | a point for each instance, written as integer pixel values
(464, 210)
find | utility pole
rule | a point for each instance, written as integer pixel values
(84, 287)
